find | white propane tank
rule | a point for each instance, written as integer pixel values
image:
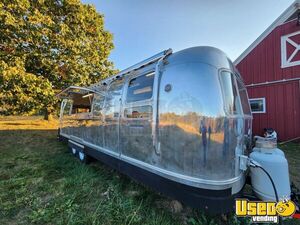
(274, 162)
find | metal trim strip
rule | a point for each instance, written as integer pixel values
(181, 178)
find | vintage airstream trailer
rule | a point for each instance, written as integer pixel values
(177, 122)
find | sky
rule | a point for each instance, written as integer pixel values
(142, 28)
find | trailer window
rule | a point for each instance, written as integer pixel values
(98, 104)
(112, 104)
(141, 112)
(230, 93)
(140, 88)
(243, 96)
(67, 106)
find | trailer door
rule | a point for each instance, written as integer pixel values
(136, 140)
(112, 109)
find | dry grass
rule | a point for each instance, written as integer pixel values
(41, 183)
(27, 123)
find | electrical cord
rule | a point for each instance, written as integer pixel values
(255, 165)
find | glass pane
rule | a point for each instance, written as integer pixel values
(244, 97)
(112, 104)
(114, 92)
(140, 88)
(232, 104)
(67, 106)
(138, 112)
(98, 104)
(257, 105)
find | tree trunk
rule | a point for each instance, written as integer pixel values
(48, 116)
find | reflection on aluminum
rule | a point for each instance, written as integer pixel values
(142, 90)
(196, 135)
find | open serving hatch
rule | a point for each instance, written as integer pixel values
(79, 98)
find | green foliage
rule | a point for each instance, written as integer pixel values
(49, 45)
(23, 93)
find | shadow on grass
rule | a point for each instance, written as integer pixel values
(42, 183)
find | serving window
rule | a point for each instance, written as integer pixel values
(81, 103)
(78, 105)
(140, 88)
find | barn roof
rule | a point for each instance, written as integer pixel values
(291, 13)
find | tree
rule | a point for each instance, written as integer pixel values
(24, 93)
(49, 45)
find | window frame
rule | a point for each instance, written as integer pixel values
(234, 83)
(127, 88)
(239, 80)
(264, 104)
(102, 107)
(65, 102)
(287, 61)
(105, 107)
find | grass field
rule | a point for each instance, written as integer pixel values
(41, 183)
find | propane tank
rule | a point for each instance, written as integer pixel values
(273, 160)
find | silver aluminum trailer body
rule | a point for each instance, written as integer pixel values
(178, 122)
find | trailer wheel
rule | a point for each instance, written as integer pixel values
(83, 157)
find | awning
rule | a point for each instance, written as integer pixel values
(77, 90)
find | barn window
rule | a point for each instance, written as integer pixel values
(258, 105)
(290, 50)
(140, 88)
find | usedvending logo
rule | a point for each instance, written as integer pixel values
(262, 212)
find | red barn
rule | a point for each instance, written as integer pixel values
(270, 67)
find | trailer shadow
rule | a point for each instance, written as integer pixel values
(41, 182)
